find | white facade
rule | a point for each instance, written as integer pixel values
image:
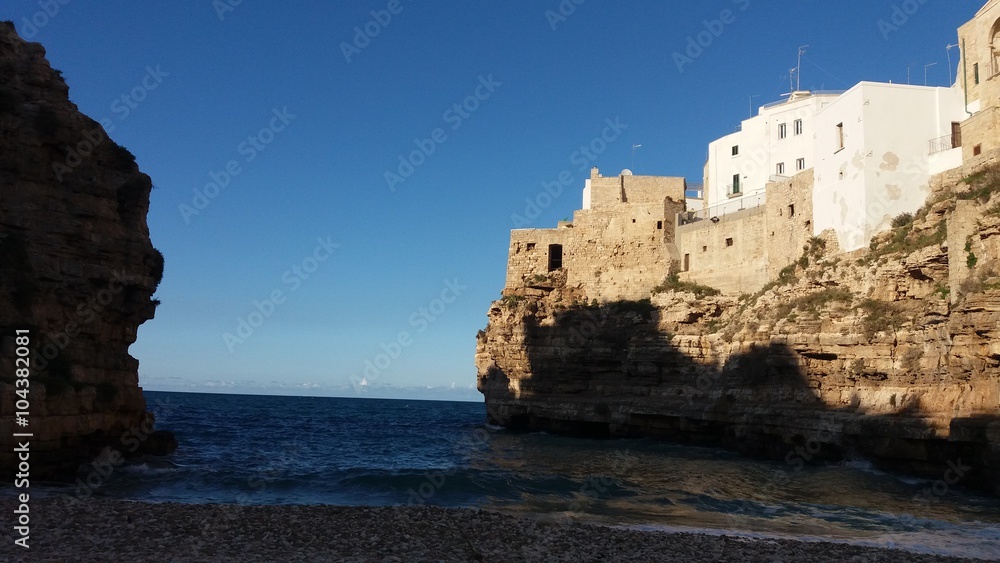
(778, 141)
(872, 156)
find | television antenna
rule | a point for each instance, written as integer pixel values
(950, 75)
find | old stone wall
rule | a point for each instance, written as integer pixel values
(980, 131)
(745, 250)
(788, 218)
(730, 255)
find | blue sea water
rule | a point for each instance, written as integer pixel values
(309, 450)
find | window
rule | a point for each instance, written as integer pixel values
(555, 256)
(736, 184)
(798, 126)
(975, 73)
(977, 150)
(800, 164)
(729, 242)
(736, 150)
(840, 136)
(659, 225)
(531, 246)
(704, 249)
(791, 210)
(780, 169)
(687, 262)
(782, 130)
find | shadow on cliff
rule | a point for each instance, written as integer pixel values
(608, 372)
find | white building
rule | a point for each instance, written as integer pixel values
(876, 148)
(873, 149)
(777, 142)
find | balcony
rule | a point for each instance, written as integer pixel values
(945, 143)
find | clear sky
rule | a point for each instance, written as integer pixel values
(296, 111)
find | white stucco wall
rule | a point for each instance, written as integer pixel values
(884, 167)
(761, 149)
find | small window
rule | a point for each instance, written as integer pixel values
(840, 136)
(736, 150)
(975, 73)
(798, 126)
(531, 246)
(687, 262)
(977, 150)
(736, 183)
(704, 249)
(729, 242)
(791, 210)
(555, 256)
(800, 164)
(659, 225)
(780, 169)
(782, 130)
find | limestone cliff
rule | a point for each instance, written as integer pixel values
(77, 269)
(890, 354)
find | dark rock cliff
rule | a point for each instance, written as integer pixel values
(77, 270)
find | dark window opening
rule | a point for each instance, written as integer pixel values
(531, 246)
(840, 136)
(704, 249)
(555, 256)
(975, 72)
(977, 150)
(687, 262)
(633, 220)
(736, 150)
(791, 210)
(729, 242)
(659, 225)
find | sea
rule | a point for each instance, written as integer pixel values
(267, 450)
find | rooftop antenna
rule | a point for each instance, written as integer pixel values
(751, 103)
(950, 75)
(927, 66)
(798, 68)
(633, 155)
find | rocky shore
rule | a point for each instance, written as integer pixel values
(101, 530)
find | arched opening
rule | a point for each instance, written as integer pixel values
(994, 64)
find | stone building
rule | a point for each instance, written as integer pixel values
(979, 77)
(617, 247)
(837, 166)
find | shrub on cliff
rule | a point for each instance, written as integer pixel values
(674, 283)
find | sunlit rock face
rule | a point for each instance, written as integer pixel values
(77, 271)
(889, 355)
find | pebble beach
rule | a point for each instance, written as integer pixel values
(111, 530)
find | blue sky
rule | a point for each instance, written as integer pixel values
(298, 119)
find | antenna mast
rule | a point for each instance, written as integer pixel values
(798, 68)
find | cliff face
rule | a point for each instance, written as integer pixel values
(77, 269)
(891, 354)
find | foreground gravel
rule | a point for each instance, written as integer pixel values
(102, 530)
